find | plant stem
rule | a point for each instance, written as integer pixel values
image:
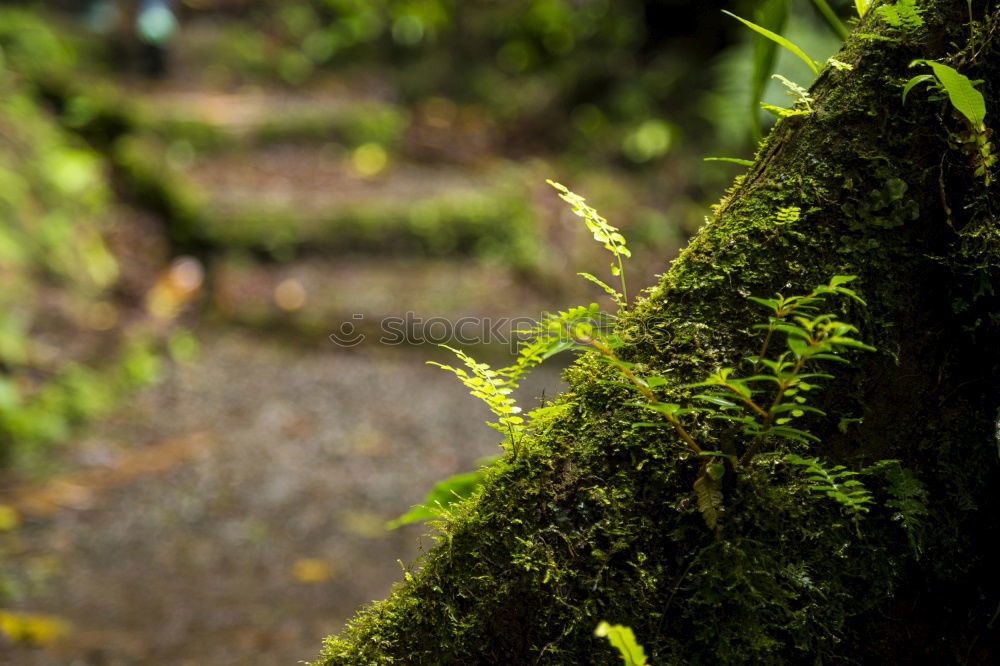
(649, 395)
(831, 18)
(763, 349)
(747, 401)
(621, 276)
(769, 415)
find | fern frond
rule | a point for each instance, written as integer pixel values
(838, 483)
(904, 14)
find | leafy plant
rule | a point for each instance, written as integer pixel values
(909, 500)
(494, 389)
(903, 14)
(770, 19)
(447, 492)
(969, 103)
(764, 405)
(961, 91)
(803, 100)
(623, 639)
(838, 483)
(603, 232)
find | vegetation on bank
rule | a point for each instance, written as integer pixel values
(58, 306)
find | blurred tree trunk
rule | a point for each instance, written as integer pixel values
(594, 520)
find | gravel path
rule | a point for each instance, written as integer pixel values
(251, 526)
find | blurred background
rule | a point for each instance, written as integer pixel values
(195, 195)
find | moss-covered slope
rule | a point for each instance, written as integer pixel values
(594, 520)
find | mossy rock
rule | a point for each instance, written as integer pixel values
(594, 520)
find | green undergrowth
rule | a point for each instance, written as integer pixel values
(58, 312)
(494, 223)
(350, 124)
(71, 344)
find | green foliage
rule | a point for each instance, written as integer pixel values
(449, 491)
(779, 40)
(970, 104)
(788, 215)
(862, 7)
(908, 500)
(770, 18)
(885, 205)
(803, 100)
(903, 14)
(31, 46)
(622, 638)
(494, 388)
(492, 54)
(838, 483)
(734, 160)
(53, 199)
(604, 233)
(764, 406)
(66, 349)
(961, 92)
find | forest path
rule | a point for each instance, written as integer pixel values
(234, 513)
(253, 525)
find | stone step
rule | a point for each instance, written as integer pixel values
(389, 302)
(210, 120)
(283, 199)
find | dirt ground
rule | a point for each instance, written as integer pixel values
(234, 513)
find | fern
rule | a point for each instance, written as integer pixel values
(494, 389)
(604, 233)
(838, 483)
(904, 14)
(803, 100)
(788, 215)
(764, 404)
(909, 500)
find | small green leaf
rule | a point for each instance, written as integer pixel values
(916, 80)
(615, 296)
(623, 639)
(450, 491)
(716, 400)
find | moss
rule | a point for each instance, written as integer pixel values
(494, 223)
(596, 522)
(350, 125)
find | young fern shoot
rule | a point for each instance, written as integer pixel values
(492, 387)
(603, 232)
